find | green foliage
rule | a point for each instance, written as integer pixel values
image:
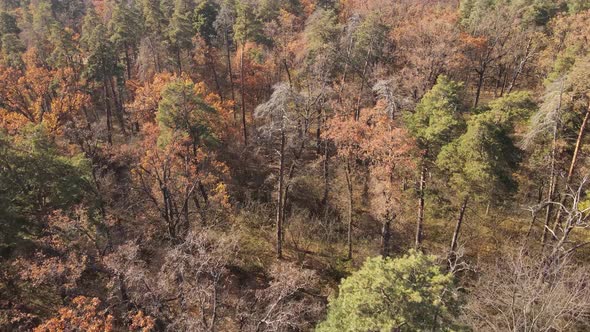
(12, 47)
(576, 6)
(511, 108)
(204, 20)
(410, 293)
(322, 32)
(248, 26)
(180, 30)
(369, 38)
(34, 180)
(481, 162)
(152, 15)
(437, 118)
(8, 24)
(102, 62)
(126, 25)
(182, 110)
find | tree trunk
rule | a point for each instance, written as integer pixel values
(349, 186)
(118, 104)
(107, 107)
(552, 178)
(231, 78)
(280, 198)
(578, 145)
(480, 80)
(572, 167)
(521, 65)
(214, 72)
(243, 104)
(385, 237)
(178, 61)
(127, 61)
(458, 225)
(534, 219)
(420, 223)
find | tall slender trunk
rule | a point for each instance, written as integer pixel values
(349, 186)
(325, 203)
(385, 237)
(280, 198)
(552, 185)
(421, 189)
(118, 104)
(243, 104)
(127, 61)
(214, 72)
(107, 107)
(572, 167)
(357, 113)
(581, 133)
(552, 176)
(534, 219)
(521, 64)
(178, 60)
(458, 225)
(345, 71)
(481, 75)
(229, 71)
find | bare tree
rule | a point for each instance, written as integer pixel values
(283, 119)
(288, 303)
(513, 295)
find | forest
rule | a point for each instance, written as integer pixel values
(295, 165)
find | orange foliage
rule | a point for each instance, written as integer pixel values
(145, 104)
(39, 94)
(83, 316)
(141, 322)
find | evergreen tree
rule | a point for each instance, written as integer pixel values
(435, 122)
(182, 111)
(180, 30)
(410, 293)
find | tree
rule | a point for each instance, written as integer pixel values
(246, 28)
(480, 163)
(84, 315)
(10, 44)
(281, 112)
(102, 65)
(178, 164)
(487, 36)
(410, 293)
(36, 180)
(181, 30)
(182, 110)
(126, 30)
(436, 121)
(512, 296)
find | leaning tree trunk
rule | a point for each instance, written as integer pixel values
(458, 225)
(572, 167)
(521, 65)
(578, 145)
(552, 185)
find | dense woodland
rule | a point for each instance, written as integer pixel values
(294, 165)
